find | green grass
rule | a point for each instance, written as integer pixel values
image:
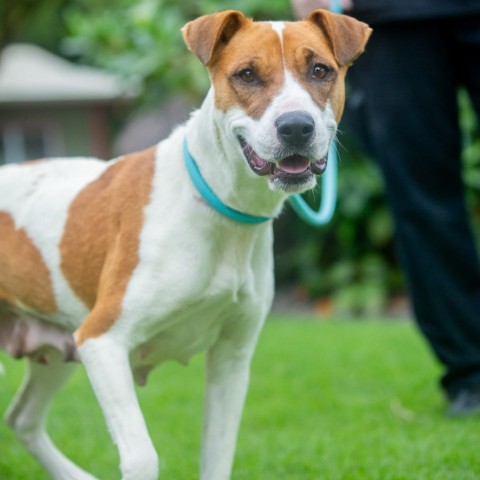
(328, 401)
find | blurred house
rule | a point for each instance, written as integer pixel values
(147, 127)
(50, 107)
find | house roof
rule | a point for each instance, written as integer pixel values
(29, 74)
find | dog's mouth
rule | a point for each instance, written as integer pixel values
(293, 167)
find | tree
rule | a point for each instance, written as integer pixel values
(32, 21)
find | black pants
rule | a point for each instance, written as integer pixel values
(403, 105)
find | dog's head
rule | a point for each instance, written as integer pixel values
(279, 87)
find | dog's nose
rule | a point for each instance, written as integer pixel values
(295, 128)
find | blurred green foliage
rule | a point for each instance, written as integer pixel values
(352, 260)
(142, 40)
(471, 158)
(32, 21)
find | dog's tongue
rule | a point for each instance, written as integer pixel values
(294, 164)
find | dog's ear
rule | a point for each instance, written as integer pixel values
(347, 36)
(205, 34)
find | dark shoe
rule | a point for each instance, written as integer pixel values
(465, 402)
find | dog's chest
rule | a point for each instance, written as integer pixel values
(188, 331)
(184, 294)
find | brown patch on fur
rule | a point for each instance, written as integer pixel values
(99, 248)
(305, 45)
(206, 35)
(227, 43)
(24, 276)
(346, 35)
(329, 39)
(243, 52)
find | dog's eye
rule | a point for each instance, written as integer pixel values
(320, 71)
(247, 75)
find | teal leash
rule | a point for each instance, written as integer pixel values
(335, 6)
(326, 209)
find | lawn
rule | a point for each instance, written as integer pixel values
(350, 400)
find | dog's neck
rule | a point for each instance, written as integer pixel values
(223, 166)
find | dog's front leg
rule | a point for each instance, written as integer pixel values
(228, 371)
(107, 364)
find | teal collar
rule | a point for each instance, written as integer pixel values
(209, 196)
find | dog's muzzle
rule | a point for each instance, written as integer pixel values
(296, 168)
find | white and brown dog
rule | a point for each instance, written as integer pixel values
(167, 252)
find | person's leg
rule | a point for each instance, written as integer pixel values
(467, 41)
(405, 86)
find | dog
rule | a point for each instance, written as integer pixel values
(161, 254)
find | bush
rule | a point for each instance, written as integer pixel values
(141, 39)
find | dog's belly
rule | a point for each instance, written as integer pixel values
(209, 279)
(183, 334)
(187, 315)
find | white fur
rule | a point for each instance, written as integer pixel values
(278, 27)
(203, 282)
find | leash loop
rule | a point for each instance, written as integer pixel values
(328, 190)
(326, 209)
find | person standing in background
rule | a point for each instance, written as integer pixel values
(402, 106)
